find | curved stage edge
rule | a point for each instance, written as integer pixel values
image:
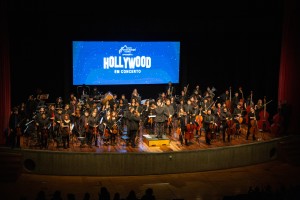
(146, 163)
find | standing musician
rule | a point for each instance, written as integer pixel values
(225, 118)
(66, 131)
(252, 125)
(44, 125)
(84, 126)
(51, 114)
(189, 132)
(170, 91)
(235, 100)
(114, 128)
(208, 124)
(189, 110)
(181, 124)
(14, 126)
(199, 122)
(197, 93)
(93, 131)
(150, 122)
(57, 129)
(169, 113)
(107, 123)
(237, 117)
(132, 125)
(159, 119)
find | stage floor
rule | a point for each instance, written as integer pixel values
(172, 145)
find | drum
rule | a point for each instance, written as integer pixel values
(108, 96)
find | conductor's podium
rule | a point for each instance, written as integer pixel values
(152, 140)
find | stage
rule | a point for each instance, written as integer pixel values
(163, 158)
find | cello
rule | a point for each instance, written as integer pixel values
(263, 123)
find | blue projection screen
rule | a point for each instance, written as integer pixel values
(123, 63)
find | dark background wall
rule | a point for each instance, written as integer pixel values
(231, 44)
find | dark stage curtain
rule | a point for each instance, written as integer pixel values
(5, 101)
(289, 84)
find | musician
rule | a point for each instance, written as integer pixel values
(208, 125)
(132, 125)
(225, 96)
(189, 132)
(114, 128)
(183, 96)
(57, 125)
(225, 117)
(135, 95)
(197, 92)
(149, 118)
(66, 131)
(84, 126)
(92, 134)
(169, 113)
(237, 114)
(125, 100)
(30, 106)
(44, 125)
(181, 124)
(67, 110)
(205, 105)
(76, 121)
(15, 129)
(235, 100)
(188, 109)
(160, 118)
(59, 102)
(40, 113)
(198, 122)
(170, 91)
(138, 107)
(95, 93)
(252, 119)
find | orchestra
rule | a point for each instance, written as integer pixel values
(101, 119)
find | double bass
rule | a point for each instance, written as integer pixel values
(263, 123)
(228, 101)
(248, 108)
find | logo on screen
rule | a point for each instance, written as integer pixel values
(127, 61)
(126, 51)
